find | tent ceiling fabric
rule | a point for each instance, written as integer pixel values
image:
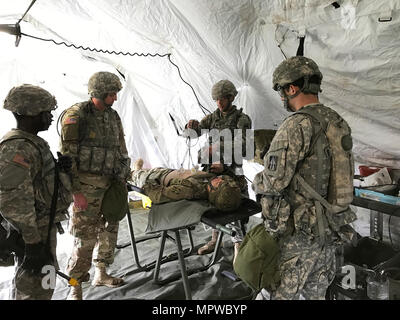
(211, 40)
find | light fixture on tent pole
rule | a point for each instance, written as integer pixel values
(13, 29)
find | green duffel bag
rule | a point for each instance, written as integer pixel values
(115, 202)
(257, 260)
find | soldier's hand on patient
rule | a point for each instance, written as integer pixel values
(64, 162)
(36, 256)
(80, 201)
(192, 124)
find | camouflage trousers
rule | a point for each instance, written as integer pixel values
(143, 176)
(306, 268)
(94, 237)
(28, 286)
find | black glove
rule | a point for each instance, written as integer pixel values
(64, 163)
(36, 256)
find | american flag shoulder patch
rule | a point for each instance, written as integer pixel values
(18, 158)
(71, 121)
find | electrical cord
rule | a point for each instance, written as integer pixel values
(283, 39)
(95, 49)
(179, 72)
(389, 231)
(202, 108)
(29, 8)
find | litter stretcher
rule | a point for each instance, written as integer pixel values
(174, 217)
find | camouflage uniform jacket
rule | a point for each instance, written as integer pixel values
(27, 184)
(285, 202)
(95, 140)
(235, 119)
(183, 185)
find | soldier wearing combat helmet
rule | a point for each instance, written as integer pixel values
(27, 175)
(227, 116)
(307, 183)
(92, 134)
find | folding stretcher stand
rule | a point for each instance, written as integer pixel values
(184, 215)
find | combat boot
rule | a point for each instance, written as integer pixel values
(75, 293)
(101, 278)
(210, 245)
(138, 164)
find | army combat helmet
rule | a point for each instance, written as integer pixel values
(295, 68)
(102, 83)
(226, 196)
(29, 100)
(222, 89)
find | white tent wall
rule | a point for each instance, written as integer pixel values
(211, 40)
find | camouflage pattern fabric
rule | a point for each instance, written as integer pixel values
(286, 203)
(222, 89)
(190, 188)
(95, 141)
(235, 119)
(227, 196)
(293, 69)
(102, 83)
(91, 231)
(29, 100)
(306, 268)
(26, 184)
(27, 286)
(262, 142)
(143, 176)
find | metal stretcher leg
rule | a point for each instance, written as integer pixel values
(186, 287)
(181, 258)
(135, 241)
(187, 272)
(134, 248)
(160, 255)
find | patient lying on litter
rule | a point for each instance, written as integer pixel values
(163, 185)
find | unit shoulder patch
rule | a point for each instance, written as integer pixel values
(20, 159)
(71, 120)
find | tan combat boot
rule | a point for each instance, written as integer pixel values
(210, 245)
(75, 293)
(101, 278)
(138, 164)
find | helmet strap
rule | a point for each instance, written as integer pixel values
(287, 97)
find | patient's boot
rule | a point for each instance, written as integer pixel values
(210, 245)
(101, 278)
(75, 293)
(138, 164)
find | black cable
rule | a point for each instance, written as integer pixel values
(58, 121)
(179, 72)
(98, 50)
(300, 49)
(124, 54)
(30, 6)
(389, 231)
(283, 39)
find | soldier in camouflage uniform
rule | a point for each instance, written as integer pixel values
(92, 134)
(163, 185)
(27, 175)
(227, 116)
(295, 182)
